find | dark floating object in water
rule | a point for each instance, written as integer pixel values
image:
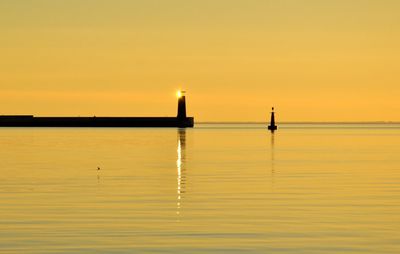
(181, 120)
(272, 127)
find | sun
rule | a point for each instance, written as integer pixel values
(180, 93)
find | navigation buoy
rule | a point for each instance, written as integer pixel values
(272, 127)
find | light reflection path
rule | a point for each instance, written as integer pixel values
(273, 160)
(180, 165)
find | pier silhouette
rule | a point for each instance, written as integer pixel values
(181, 120)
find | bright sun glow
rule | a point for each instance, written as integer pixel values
(180, 93)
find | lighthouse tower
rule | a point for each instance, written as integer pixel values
(181, 105)
(272, 127)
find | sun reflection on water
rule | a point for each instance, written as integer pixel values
(180, 168)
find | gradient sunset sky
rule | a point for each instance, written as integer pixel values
(313, 60)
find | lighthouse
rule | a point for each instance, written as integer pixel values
(181, 105)
(180, 121)
(272, 127)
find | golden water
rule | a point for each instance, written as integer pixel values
(211, 189)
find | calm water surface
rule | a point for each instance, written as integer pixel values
(211, 189)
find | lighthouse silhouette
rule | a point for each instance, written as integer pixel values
(181, 105)
(272, 127)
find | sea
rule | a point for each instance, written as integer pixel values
(214, 188)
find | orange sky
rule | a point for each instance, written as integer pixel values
(313, 60)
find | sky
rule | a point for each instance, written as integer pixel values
(312, 60)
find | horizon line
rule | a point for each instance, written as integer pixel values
(300, 122)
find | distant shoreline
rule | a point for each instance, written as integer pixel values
(370, 122)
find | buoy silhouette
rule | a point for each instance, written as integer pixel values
(272, 127)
